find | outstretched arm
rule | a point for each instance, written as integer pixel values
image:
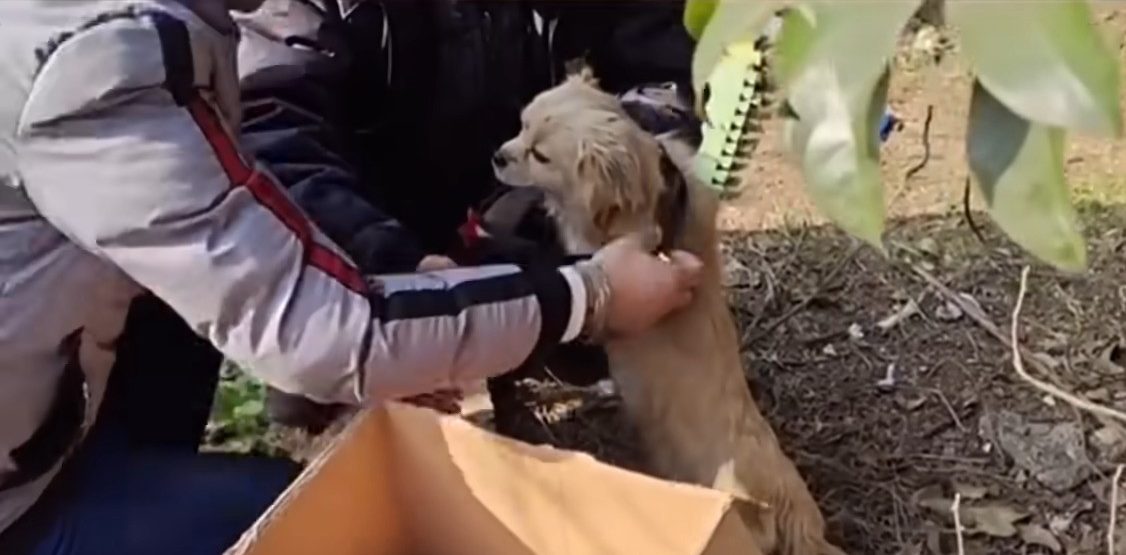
(130, 162)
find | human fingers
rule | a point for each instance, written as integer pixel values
(433, 262)
(689, 268)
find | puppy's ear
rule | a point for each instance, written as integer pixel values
(610, 175)
(579, 70)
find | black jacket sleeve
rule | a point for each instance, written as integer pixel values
(294, 77)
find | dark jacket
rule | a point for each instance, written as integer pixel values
(390, 111)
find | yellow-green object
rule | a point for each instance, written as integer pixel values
(697, 13)
(733, 97)
(1046, 61)
(1018, 166)
(832, 62)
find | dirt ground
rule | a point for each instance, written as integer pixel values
(889, 411)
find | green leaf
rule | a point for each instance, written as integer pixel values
(832, 58)
(732, 21)
(250, 409)
(1019, 169)
(696, 16)
(795, 40)
(1045, 60)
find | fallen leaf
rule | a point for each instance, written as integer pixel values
(1060, 523)
(948, 312)
(855, 331)
(1034, 534)
(908, 309)
(829, 350)
(970, 492)
(927, 245)
(1109, 441)
(931, 497)
(888, 381)
(916, 549)
(1111, 359)
(912, 404)
(1098, 394)
(934, 541)
(996, 520)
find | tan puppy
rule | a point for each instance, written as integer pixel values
(682, 382)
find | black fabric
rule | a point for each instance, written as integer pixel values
(419, 147)
(163, 380)
(625, 42)
(300, 117)
(176, 49)
(56, 435)
(672, 207)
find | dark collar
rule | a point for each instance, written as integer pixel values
(672, 207)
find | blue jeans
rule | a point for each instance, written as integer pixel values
(138, 485)
(118, 500)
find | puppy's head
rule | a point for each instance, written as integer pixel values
(600, 170)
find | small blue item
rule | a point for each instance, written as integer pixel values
(888, 123)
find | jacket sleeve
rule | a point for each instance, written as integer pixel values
(295, 93)
(136, 169)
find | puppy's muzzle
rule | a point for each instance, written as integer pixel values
(501, 160)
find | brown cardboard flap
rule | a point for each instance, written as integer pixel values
(405, 480)
(340, 505)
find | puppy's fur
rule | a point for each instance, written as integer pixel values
(682, 382)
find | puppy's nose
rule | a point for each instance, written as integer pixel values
(499, 159)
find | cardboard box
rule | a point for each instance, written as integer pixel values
(401, 480)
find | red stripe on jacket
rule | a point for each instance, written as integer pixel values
(271, 196)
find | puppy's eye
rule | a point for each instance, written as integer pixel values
(539, 156)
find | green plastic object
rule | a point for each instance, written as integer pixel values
(733, 98)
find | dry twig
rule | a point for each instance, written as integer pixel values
(975, 313)
(1113, 510)
(968, 214)
(959, 532)
(1046, 387)
(926, 147)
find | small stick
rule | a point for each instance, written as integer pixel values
(976, 314)
(926, 147)
(1113, 510)
(959, 532)
(1045, 387)
(968, 214)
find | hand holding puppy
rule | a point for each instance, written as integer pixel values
(630, 289)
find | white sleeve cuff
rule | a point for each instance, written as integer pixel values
(578, 303)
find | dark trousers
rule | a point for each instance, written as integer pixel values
(138, 485)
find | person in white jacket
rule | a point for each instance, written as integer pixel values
(119, 174)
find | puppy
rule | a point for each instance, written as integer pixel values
(682, 382)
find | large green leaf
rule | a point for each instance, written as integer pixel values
(1019, 169)
(697, 13)
(732, 21)
(832, 59)
(1044, 59)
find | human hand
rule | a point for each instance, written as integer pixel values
(644, 288)
(432, 262)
